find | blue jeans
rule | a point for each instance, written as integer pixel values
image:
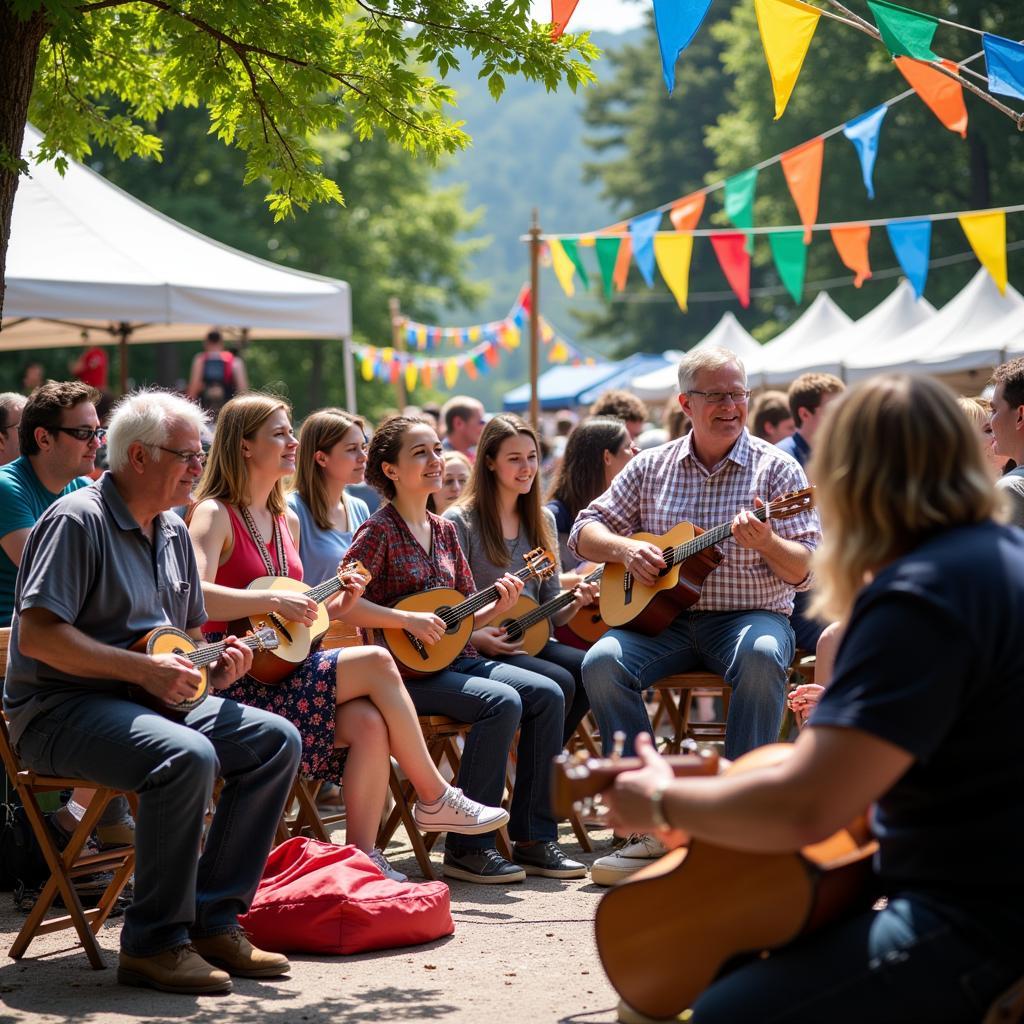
(563, 664)
(173, 767)
(751, 649)
(917, 960)
(498, 698)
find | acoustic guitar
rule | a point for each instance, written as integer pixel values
(169, 640)
(529, 624)
(665, 933)
(294, 639)
(417, 658)
(690, 555)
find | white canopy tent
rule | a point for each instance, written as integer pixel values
(662, 384)
(951, 332)
(86, 256)
(893, 316)
(822, 319)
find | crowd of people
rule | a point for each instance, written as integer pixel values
(907, 567)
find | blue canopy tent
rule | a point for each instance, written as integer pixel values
(637, 364)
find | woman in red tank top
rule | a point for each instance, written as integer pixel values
(352, 698)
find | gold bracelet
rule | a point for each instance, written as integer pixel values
(658, 806)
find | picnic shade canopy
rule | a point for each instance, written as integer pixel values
(86, 256)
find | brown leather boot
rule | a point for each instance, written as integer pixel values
(180, 969)
(238, 956)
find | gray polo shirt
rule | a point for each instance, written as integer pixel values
(88, 561)
(1012, 485)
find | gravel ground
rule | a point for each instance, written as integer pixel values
(525, 952)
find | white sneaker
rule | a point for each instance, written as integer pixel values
(378, 858)
(455, 812)
(639, 851)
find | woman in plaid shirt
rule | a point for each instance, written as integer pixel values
(409, 549)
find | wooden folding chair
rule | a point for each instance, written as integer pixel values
(441, 735)
(71, 863)
(676, 694)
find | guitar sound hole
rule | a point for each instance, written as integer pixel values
(513, 630)
(444, 613)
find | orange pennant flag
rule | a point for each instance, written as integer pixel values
(685, 212)
(622, 262)
(802, 168)
(943, 95)
(852, 245)
(561, 12)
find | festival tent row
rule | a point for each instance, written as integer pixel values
(86, 256)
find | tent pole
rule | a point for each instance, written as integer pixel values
(124, 331)
(534, 318)
(350, 374)
(398, 344)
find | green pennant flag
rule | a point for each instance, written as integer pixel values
(790, 255)
(607, 256)
(905, 33)
(572, 250)
(740, 190)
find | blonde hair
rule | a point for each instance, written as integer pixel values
(896, 462)
(449, 456)
(977, 410)
(321, 431)
(481, 492)
(227, 476)
(714, 357)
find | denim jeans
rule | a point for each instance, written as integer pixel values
(564, 665)
(498, 698)
(918, 960)
(172, 767)
(751, 649)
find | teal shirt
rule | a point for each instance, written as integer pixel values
(23, 499)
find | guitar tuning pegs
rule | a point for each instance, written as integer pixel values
(618, 743)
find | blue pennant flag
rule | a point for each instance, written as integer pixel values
(677, 22)
(642, 230)
(1005, 60)
(863, 132)
(911, 240)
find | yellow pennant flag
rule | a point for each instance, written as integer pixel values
(559, 352)
(673, 254)
(787, 27)
(987, 234)
(563, 266)
(367, 366)
(512, 336)
(451, 373)
(411, 371)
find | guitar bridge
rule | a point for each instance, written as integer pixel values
(417, 644)
(627, 588)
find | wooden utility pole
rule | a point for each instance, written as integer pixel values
(398, 344)
(534, 319)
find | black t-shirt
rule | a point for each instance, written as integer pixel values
(933, 662)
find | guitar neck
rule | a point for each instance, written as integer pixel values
(556, 604)
(209, 653)
(709, 538)
(322, 591)
(472, 604)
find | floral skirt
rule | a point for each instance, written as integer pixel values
(307, 699)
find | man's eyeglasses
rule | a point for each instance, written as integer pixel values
(186, 455)
(10, 427)
(83, 433)
(716, 397)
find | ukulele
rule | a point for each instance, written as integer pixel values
(169, 640)
(529, 623)
(587, 623)
(665, 933)
(294, 639)
(690, 556)
(415, 657)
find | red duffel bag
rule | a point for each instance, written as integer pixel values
(320, 898)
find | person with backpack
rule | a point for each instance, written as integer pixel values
(217, 374)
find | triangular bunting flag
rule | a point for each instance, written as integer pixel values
(471, 371)
(571, 247)
(790, 254)
(864, 132)
(622, 264)
(676, 22)
(1005, 61)
(852, 245)
(987, 234)
(411, 372)
(787, 27)
(731, 250)
(607, 256)
(673, 253)
(943, 95)
(905, 33)
(561, 12)
(911, 241)
(562, 266)
(451, 373)
(740, 190)
(367, 366)
(802, 168)
(685, 213)
(642, 230)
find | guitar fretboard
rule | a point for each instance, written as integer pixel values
(209, 653)
(680, 553)
(552, 607)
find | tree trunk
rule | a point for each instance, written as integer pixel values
(19, 48)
